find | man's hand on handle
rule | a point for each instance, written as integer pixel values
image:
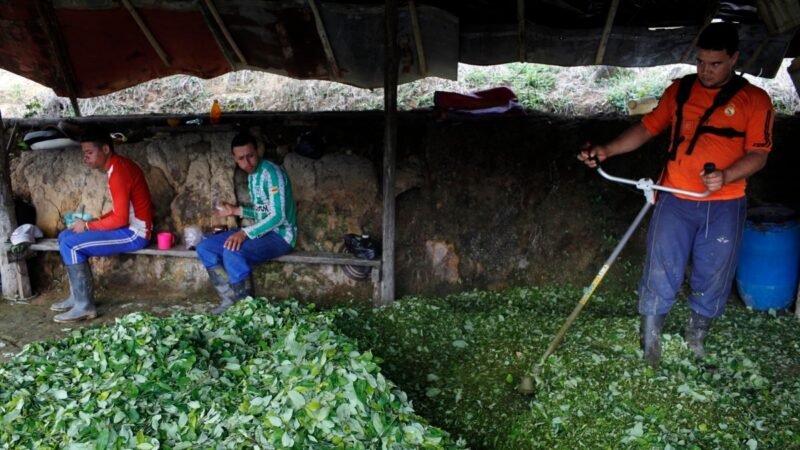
(592, 155)
(713, 180)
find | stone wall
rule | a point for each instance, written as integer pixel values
(486, 203)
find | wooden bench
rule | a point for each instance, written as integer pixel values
(296, 257)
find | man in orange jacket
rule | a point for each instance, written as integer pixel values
(717, 117)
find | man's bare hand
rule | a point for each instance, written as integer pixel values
(226, 209)
(234, 241)
(589, 152)
(78, 226)
(714, 180)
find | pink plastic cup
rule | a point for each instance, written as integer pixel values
(165, 241)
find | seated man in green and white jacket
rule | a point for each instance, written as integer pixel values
(230, 255)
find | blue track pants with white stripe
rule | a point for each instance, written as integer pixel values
(76, 248)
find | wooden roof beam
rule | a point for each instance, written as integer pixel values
(423, 64)
(756, 53)
(56, 41)
(228, 37)
(147, 33)
(216, 33)
(601, 49)
(712, 11)
(333, 67)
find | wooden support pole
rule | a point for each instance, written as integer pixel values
(213, 9)
(521, 40)
(423, 64)
(63, 63)
(333, 67)
(147, 33)
(390, 77)
(712, 11)
(601, 49)
(14, 275)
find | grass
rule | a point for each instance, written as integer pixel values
(459, 358)
(567, 91)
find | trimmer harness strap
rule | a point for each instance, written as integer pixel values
(725, 94)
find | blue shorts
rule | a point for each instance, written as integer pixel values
(76, 248)
(238, 264)
(707, 231)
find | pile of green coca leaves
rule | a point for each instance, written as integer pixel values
(260, 376)
(460, 358)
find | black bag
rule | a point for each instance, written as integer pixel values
(310, 144)
(362, 246)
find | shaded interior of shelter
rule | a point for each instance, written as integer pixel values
(495, 202)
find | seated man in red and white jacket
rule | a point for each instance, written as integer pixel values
(125, 228)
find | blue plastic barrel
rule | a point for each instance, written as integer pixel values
(769, 258)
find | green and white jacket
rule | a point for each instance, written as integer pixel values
(273, 203)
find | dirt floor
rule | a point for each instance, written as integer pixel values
(23, 323)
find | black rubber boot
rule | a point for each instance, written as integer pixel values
(242, 289)
(696, 332)
(650, 338)
(221, 282)
(80, 281)
(66, 304)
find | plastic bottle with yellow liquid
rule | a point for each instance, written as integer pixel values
(216, 112)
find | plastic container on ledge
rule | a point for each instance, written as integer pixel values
(216, 113)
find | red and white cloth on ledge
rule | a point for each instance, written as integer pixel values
(501, 100)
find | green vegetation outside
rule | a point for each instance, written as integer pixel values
(560, 90)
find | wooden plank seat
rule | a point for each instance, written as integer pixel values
(296, 257)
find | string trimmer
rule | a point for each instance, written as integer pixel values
(648, 187)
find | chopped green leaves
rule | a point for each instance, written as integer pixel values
(261, 376)
(597, 392)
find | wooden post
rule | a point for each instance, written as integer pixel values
(14, 276)
(390, 76)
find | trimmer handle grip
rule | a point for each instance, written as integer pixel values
(709, 167)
